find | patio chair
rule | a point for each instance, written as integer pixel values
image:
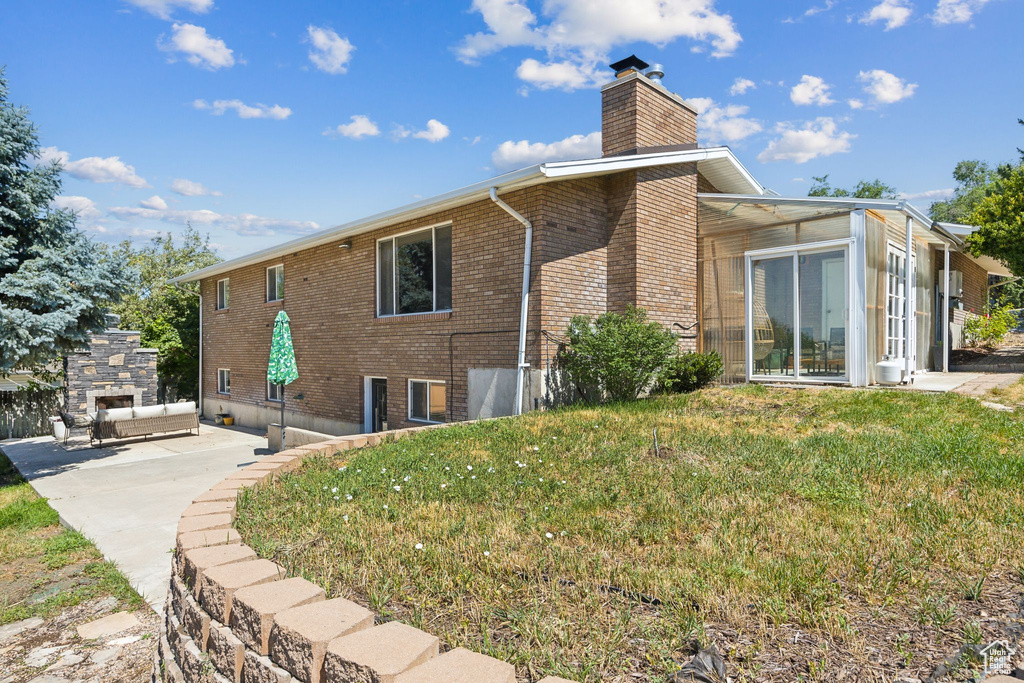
(72, 422)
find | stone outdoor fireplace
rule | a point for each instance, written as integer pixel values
(114, 372)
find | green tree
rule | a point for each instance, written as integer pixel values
(618, 354)
(167, 315)
(865, 189)
(1000, 217)
(55, 284)
(972, 177)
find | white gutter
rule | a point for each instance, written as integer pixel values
(908, 303)
(945, 311)
(524, 306)
(199, 402)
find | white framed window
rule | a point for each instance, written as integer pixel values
(275, 283)
(223, 294)
(275, 392)
(427, 400)
(224, 381)
(414, 272)
(895, 300)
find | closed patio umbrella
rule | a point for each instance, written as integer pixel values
(281, 369)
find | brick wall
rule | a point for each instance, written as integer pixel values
(975, 293)
(637, 113)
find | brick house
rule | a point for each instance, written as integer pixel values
(423, 313)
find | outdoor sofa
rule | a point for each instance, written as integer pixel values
(126, 423)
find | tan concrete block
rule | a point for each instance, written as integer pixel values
(554, 679)
(256, 476)
(299, 637)
(203, 539)
(254, 607)
(203, 523)
(259, 669)
(192, 661)
(220, 583)
(225, 507)
(233, 484)
(195, 622)
(226, 652)
(461, 666)
(216, 496)
(198, 560)
(378, 654)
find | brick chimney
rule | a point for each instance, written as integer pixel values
(639, 114)
(652, 241)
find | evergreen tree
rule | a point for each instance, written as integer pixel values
(55, 284)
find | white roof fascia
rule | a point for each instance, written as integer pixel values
(850, 203)
(532, 175)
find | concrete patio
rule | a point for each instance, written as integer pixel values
(127, 496)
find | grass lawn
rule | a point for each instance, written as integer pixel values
(44, 567)
(804, 532)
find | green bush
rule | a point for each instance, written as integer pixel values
(690, 371)
(990, 328)
(620, 355)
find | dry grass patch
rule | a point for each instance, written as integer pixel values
(801, 531)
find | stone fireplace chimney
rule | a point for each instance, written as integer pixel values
(114, 372)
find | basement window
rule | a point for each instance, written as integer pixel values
(223, 381)
(275, 392)
(414, 272)
(427, 400)
(223, 292)
(275, 283)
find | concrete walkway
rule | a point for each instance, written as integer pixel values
(127, 497)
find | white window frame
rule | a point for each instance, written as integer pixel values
(269, 398)
(266, 283)
(429, 383)
(394, 260)
(224, 302)
(895, 346)
(220, 381)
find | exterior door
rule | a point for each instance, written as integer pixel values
(378, 404)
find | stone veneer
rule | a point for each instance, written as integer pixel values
(232, 616)
(115, 364)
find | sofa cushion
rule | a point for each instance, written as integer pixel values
(114, 415)
(149, 411)
(181, 408)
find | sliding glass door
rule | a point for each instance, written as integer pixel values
(797, 312)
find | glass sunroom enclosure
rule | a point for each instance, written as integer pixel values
(815, 289)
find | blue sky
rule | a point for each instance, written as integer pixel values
(263, 121)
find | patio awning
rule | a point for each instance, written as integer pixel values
(728, 212)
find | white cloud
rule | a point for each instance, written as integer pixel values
(565, 75)
(83, 207)
(884, 87)
(718, 124)
(243, 224)
(957, 11)
(811, 90)
(154, 202)
(360, 127)
(244, 111)
(855, 103)
(198, 48)
(331, 53)
(434, 132)
(930, 195)
(94, 169)
(511, 154)
(741, 85)
(894, 13)
(818, 138)
(578, 35)
(190, 188)
(164, 8)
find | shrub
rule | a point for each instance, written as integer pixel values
(992, 327)
(618, 354)
(690, 371)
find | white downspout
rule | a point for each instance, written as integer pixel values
(521, 364)
(200, 401)
(945, 311)
(908, 283)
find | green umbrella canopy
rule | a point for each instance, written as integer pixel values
(281, 369)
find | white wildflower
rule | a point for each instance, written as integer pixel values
(397, 487)
(419, 546)
(549, 535)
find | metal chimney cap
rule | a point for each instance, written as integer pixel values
(630, 62)
(656, 73)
